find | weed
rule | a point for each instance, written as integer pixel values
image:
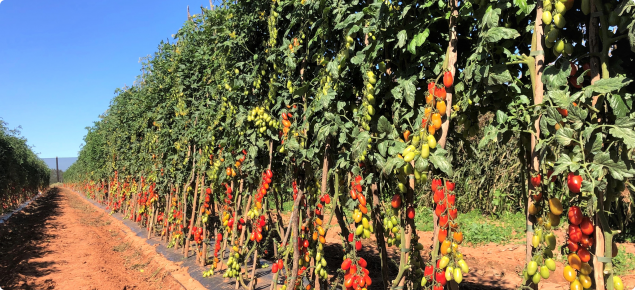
(624, 262)
(121, 247)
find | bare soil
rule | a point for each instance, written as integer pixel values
(60, 241)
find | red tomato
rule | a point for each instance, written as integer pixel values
(428, 271)
(573, 247)
(440, 277)
(437, 196)
(280, 264)
(274, 268)
(443, 233)
(431, 87)
(575, 215)
(354, 194)
(584, 255)
(563, 112)
(396, 201)
(450, 185)
(453, 213)
(575, 235)
(586, 226)
(410, 212)
(448, 80)
(346, 264)
(451, 199)
(443, 221)
(440, 93)
(362, 263)
(574, 182)
(587, 241)
(436, 183)
(358, 245)
(535, 180)
(440, 209)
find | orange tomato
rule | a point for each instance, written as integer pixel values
(431, 129)
(436, 120)
(458, 237)
(443, 233)
(445, 246)
(441, 107)
(430, 99)
(574, 261)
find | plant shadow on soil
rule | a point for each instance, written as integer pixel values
(22, 238)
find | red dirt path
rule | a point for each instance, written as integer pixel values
(62, 242)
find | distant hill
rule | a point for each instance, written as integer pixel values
(64, 162)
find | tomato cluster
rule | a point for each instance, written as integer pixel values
(356, 275)
(451, 266)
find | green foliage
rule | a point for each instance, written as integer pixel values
(22, 173)
(624, 262)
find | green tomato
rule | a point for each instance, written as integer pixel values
(458, 276)
(536, 278)
(371, 110)
(559, 47)
(559, 20)
(425, 151)
(432, 142)
(546, 17)
(544, 272)
(359, 231)
(547, 5)
(551, 264)
(560, 8)
(532, 267)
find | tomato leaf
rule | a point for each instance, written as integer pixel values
(617, 169)
(625, 134)
(401, 37)
(604, 86)
(620, 108)
(421, 164)
(440, 161)
(564, 136)
(498, 75)
(360, 144)
(384, 126)
(556, 76)
(490, 135)
(497, 33)
(391, 164)
(491, 17)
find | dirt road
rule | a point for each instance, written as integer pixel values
(62, 242)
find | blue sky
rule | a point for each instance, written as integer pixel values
(61, 61)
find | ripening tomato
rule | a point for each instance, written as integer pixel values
(587, 241)
(574, 182)
(346, 264)
(440, 209)
(575, 215)
(458, 237)
(563, 112)
(574, 69)
(396, 201)
(451, 199)
(448, 80)
(575, 235)
(535, 180)
(440, 277)
(443, 234)
(453, 213)
(569, 273)
(443, 221)
(584, 255)
(410, 212)
(450, 185)
(437, 196)
(440, 93)
(436, 184)
(586, 226)
(431, 87)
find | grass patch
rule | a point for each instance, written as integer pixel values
(121, 247)
(480, 229)
(624, 262)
